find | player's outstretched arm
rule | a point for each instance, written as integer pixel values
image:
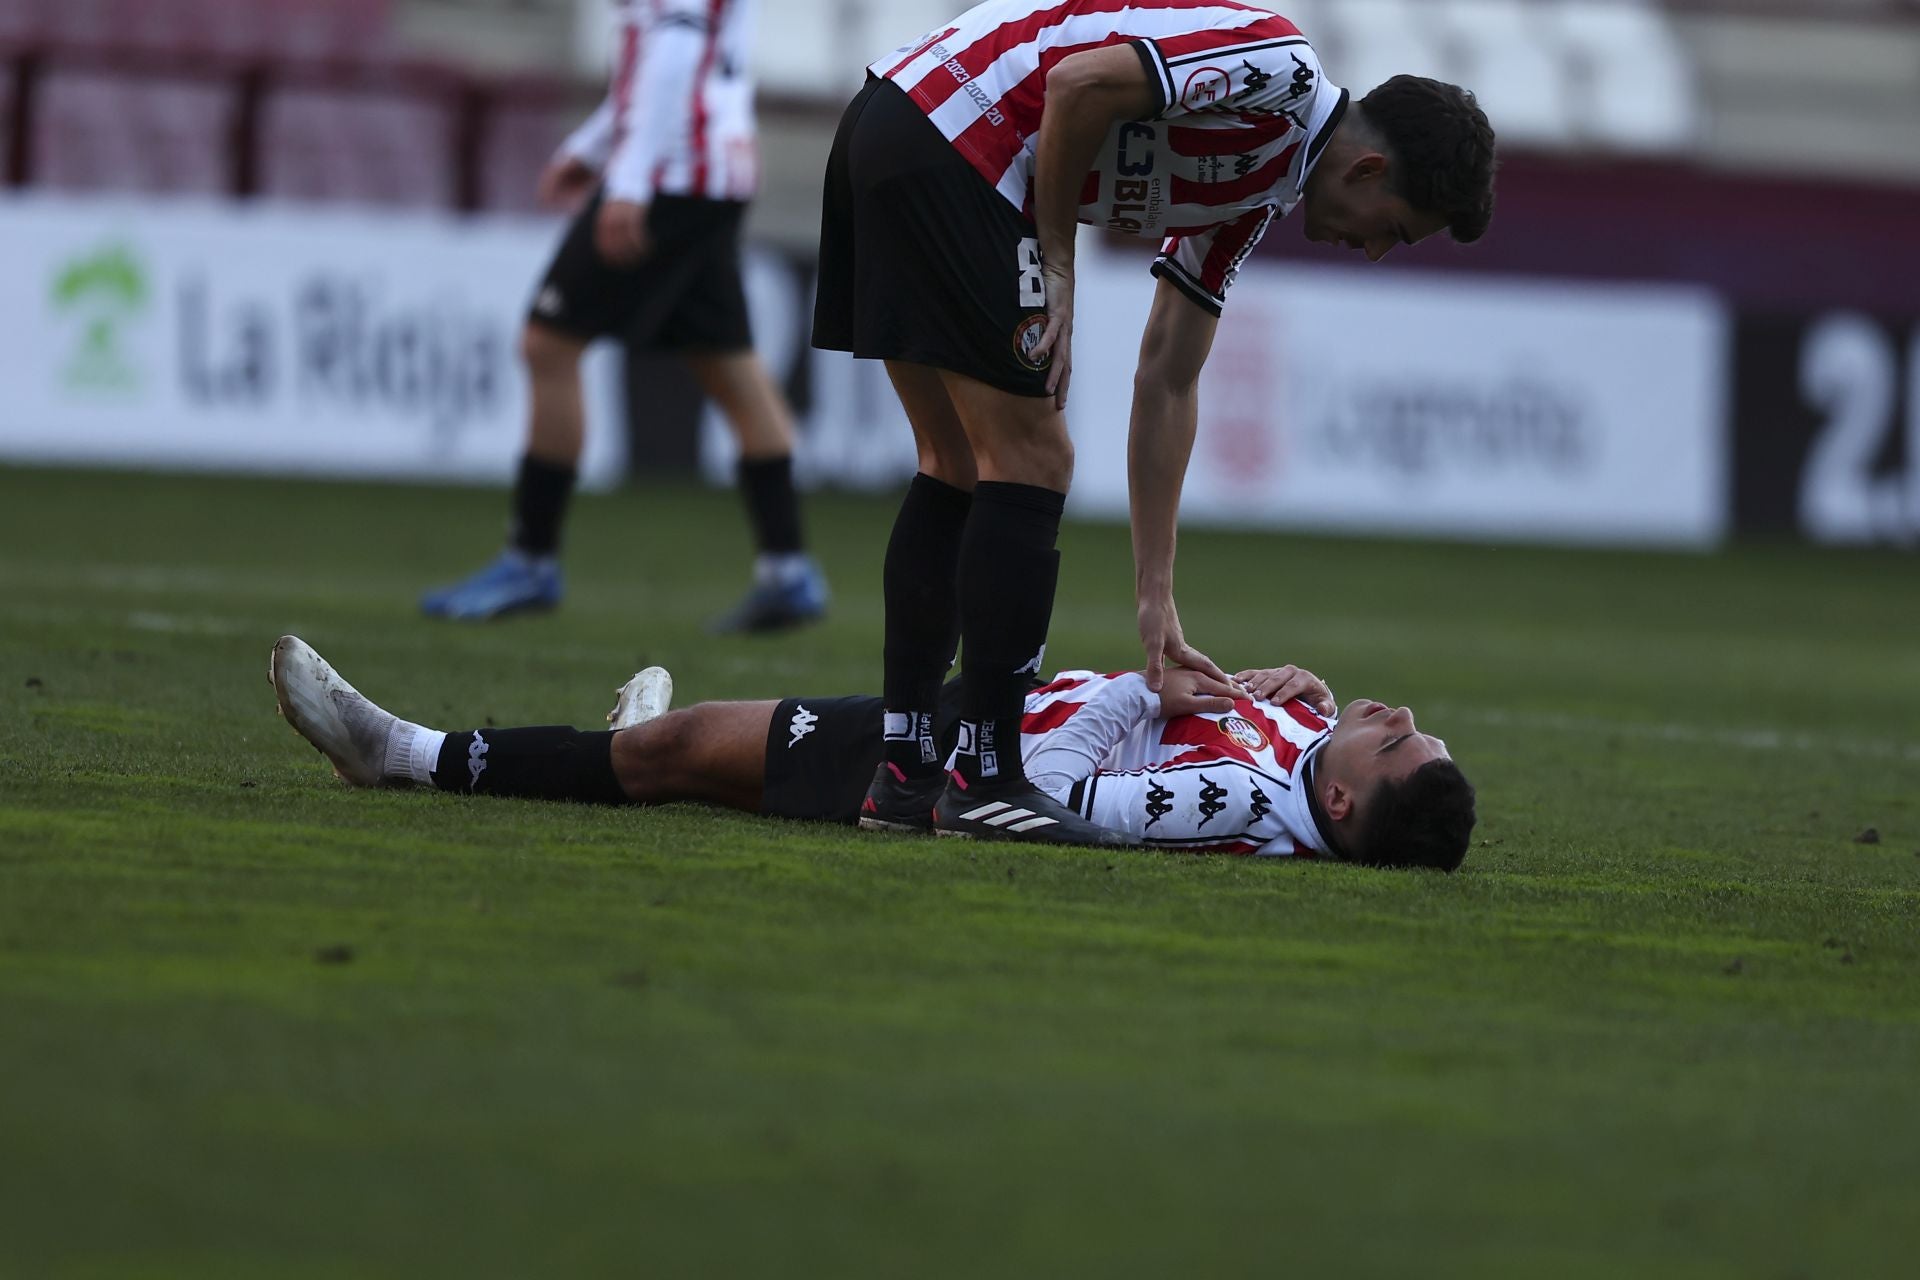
(1166, 408)
(1087, 93)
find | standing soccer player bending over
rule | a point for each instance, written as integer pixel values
(1269, 770)
(947, 250)
(653, 260)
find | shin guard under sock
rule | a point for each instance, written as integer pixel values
(922, 619)
(1008, 571)
(551, 762)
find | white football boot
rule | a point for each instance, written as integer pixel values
(645, 697)
(330, 713)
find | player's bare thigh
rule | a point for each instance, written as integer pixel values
(712, 753)
(941, 440)
(738, 381)
(1016, 439)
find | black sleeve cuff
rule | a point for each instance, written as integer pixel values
(1157, 74)
(1172, 272)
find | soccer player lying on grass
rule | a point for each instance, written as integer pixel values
(1258, 766)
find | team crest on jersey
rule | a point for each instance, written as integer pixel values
(1026, 338)
(1244, 732)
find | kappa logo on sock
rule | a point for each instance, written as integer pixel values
(801, 725)
(476, 760)
(1033, 667)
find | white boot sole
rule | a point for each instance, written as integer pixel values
(645, 697)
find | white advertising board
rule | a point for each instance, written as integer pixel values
(278, 339)
(1422, 403)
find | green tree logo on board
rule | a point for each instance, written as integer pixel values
(103, 291)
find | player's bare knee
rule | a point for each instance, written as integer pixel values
(649, 759)
(548, 352)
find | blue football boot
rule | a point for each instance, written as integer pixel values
(514, 583)
(791, 597)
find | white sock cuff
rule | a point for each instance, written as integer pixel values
(412, 751)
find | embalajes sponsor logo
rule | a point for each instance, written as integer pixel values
(105, 290)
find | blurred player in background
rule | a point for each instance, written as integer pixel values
(947, 250)
(1261, 765)
(653, 260)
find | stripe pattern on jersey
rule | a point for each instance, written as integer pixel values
(706, 145)
(1242, 112)
(1229, 783)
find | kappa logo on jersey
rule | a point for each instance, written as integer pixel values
(476, 761)
(1159, 802)
(1026, 337)
(1244, 731)
(1302, 80)
(1260, 805)
(1213, 800)
(801, 725)
(1257, 79)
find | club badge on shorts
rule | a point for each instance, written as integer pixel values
(1026, 337)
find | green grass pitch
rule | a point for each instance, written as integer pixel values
(1665, 1023)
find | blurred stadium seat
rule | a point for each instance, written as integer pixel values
(1633, 84)
(95, 131)
(1520, 78)
(356, 146)
(520, 140)
(1374, 40)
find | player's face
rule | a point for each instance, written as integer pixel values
(1358, 210)
(1374, 743)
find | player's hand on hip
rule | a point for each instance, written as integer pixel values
(1187, 692)
(1165, 643)
(620, 232)
(1056, 339)
(565, 182)
(1280, 685)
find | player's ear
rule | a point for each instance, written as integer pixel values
(1368, 166)
(1337, 799)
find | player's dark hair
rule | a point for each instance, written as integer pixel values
(1442, 150)
(1422, 820)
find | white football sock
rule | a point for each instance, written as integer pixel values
(412, 751)
(780, 568)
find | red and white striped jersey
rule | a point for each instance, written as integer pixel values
(1230, 783)
(1243, 112)
(678, 118)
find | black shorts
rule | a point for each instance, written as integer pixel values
(686, 294)
(821, 754)
(920, 258)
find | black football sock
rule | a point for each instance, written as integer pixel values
(773, 508)
(923, 618)
(552, 762)
(1008, 569)
(539, 504)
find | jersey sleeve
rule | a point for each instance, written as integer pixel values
(1218, 807)
(1073, 749)
(1204, 265)
(660, 92)
(592, 142)
(1261, 67)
